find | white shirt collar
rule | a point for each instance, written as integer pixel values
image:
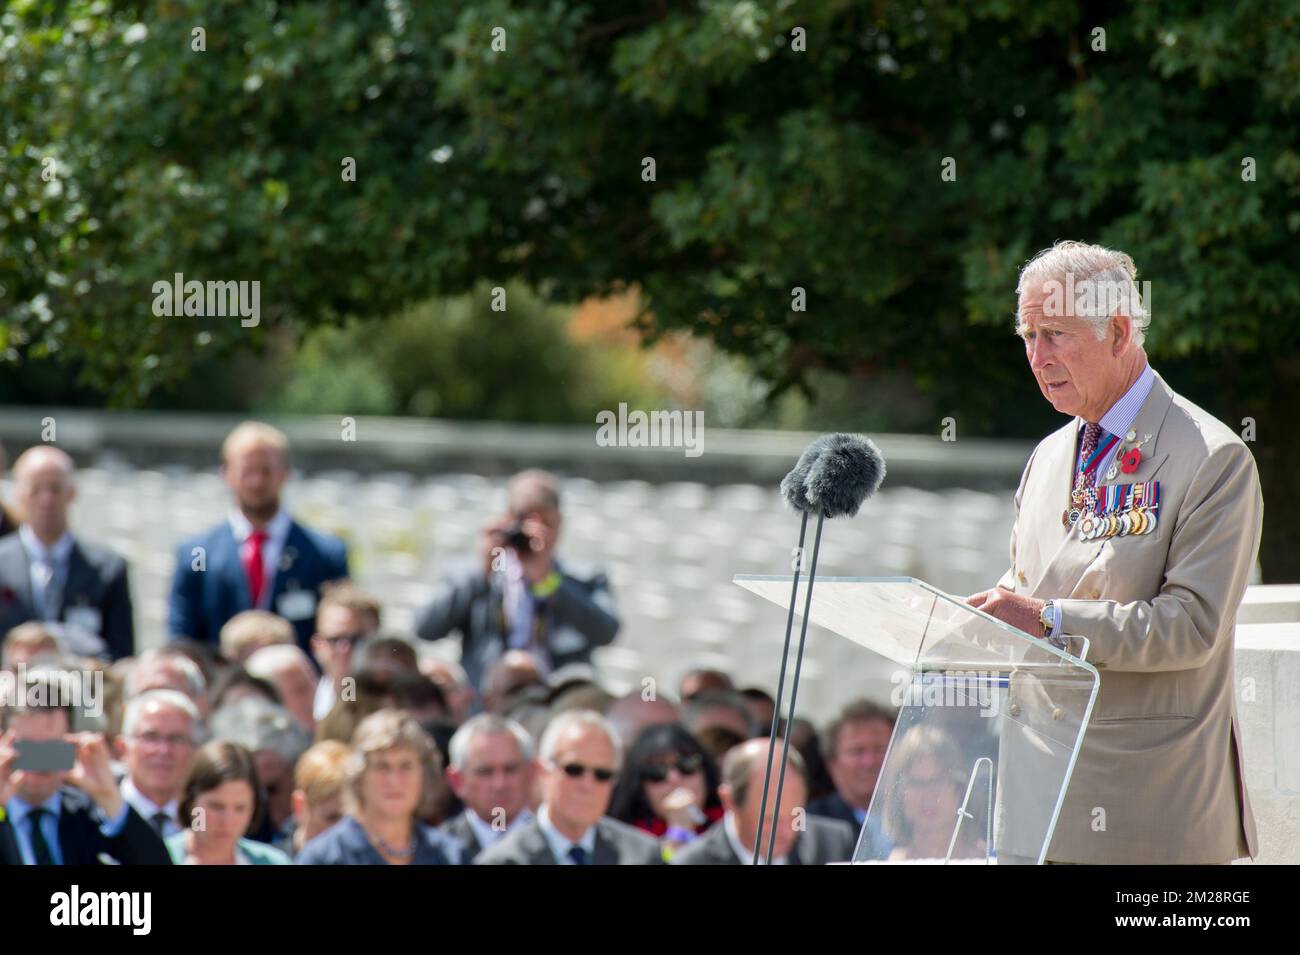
(485, 834)
(746, 856)
(277, 528)
(56, 554)
(560, 844)
(145, 806)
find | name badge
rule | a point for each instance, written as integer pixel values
(296, 604)
(567, 640)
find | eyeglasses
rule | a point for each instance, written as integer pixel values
(575, 771)
(351, 639)
(686, 765)
(175, 740)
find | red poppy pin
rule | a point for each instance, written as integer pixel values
(1132, 458)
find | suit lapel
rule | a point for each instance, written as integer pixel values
(606, 852)
(290, 565)
(537, 849)
(1071, 556)
(16, 566)
(231, 569)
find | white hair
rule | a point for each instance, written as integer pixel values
(487, 724)
(187, 667)
(1100, 281)
(268, 661)
(578, 719)
(158, 699)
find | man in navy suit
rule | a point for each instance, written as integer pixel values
(259, 557)
(78, 587)
(77, 817)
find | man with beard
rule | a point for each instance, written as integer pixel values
(259, 557)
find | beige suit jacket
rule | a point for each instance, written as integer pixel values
(1159, 778)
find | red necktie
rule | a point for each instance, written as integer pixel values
(253, 564)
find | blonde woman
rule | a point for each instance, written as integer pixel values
(391, 777)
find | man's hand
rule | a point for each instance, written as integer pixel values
(492, 543)
(92, 773)
(1010, 607)
(536, 561)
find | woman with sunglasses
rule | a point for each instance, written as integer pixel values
(669, 787)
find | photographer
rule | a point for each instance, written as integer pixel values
(516, 595)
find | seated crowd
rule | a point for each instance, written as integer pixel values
(279, 722)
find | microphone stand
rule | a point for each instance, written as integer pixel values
(794, 690)
(780, 688)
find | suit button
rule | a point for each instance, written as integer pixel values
(1022, 577)
(1015, 709)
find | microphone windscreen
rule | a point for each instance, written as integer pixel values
(792, 485)
(847, 470)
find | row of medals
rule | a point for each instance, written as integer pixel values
(1136, 520)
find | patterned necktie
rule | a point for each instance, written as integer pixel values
(578, 855)
(253, 567)
(40, 848)
(1091, 438)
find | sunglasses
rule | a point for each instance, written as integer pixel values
(686, 765)
(575, 771)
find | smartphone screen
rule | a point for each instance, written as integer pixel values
(45, 756)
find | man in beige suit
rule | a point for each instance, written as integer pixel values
(1137, 527)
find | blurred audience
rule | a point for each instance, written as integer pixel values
(247, 632)
(702, 680)
(392, 776)
(259, 558)
(160, 731)
(854, 745)
(516, 594)
(492, 771)
(455, 686)
(579, 756)
(221, 804)
(164, 668)
(65, 817)
(318, 783)
(346, 617)
(27, 643)
(275, 741)
(668, 787)
(290, 671)
(800, 839)
(919, 815)
(46, 573)
(719, 708)
(633, 712)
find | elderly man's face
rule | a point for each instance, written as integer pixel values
(159, 751)
(296, 684)
(576, 802)
(1076, 372)
(496, 780)
(747, 814)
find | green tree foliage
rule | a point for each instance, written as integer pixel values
(795, 144)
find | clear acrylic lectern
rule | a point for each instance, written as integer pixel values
(990, 720)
